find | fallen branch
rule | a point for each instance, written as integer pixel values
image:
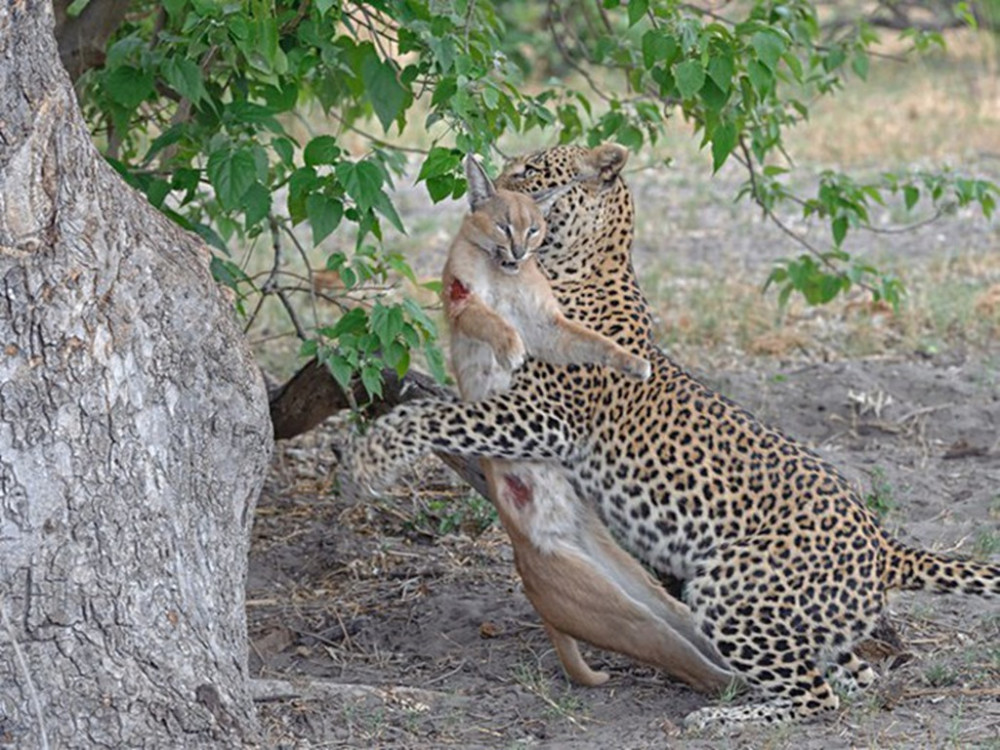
(312, 395)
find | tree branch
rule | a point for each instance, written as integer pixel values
(82, 39)
(312, 395)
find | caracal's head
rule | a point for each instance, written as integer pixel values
(508, 226)
(589, 206)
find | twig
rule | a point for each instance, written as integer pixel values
(747, 161)
(29, 683)
(268, 286)
(299, 330)
(375, 139)
(903, 230)
(376, 33)
(951, 692)
(564, 52)
(276, 690)
(309, 270)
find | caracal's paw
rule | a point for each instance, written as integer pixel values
(636, 368)
(510, 351)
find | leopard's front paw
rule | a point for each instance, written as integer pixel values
(356, 477)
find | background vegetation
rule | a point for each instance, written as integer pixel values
(279, 132)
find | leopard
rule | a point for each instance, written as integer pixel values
(499, 307)
(785, 569)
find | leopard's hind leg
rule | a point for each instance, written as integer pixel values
(804, 693)
(776, 624)
(852, 673)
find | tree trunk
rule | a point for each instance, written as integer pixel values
(134, 438)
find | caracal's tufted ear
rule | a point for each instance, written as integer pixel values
(608, 159)
(481, 187)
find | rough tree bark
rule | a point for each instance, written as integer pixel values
(134, 438)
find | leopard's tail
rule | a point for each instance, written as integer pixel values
(914, 569)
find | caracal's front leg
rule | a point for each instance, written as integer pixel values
(509, 425)
(476, 320)
(571, 343)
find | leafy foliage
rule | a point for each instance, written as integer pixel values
(196, 103)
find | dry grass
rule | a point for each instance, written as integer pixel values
(941, 107)
(707, 317)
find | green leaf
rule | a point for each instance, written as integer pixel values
(383, 89)
(285, 150)
(76, 8)
(129, 86)
(322, 149)
(156, 191)
(690, 77)
(760, 77)
(371, 378)
(636, 10)
(839, 227)
(435, 362)
(911, 195)
(228, 273)
(714, 97)
(184, 77)
(324, 215)
(723, 143)
(353, 322)
(834, 59)
(860, 65)
(397, 356)
(385, 207)
(302, 182)
(442, 187)
(348, 277)
(256, 204)
(231, 173)
(174, 7)
(308, 348)
(658, 47)
(768, 45)
(439, 161)
(720, 70)
(340, 368)
(447, 88)
(362, 181)
(386, 322)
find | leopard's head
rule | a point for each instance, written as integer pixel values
(590, 225)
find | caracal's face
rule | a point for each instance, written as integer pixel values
(510, 228)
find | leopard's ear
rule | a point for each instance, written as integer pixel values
(481, 187)
(608, 159)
